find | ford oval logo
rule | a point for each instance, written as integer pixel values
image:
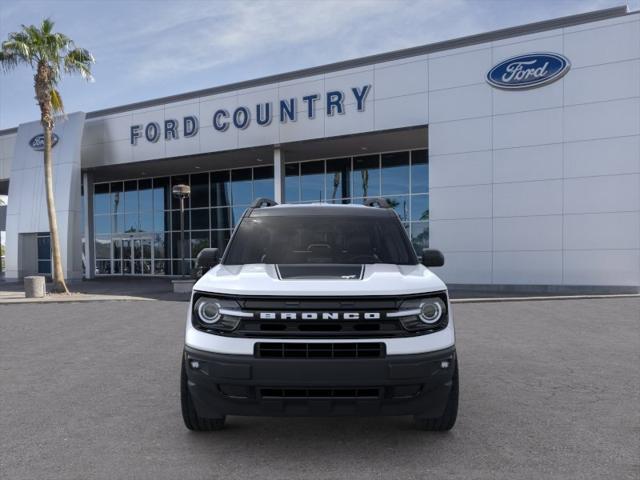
(37, 142)
(528, 71)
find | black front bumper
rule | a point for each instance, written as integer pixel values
(416, 384)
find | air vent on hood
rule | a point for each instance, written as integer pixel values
(313, 271)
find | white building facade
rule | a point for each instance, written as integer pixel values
(515, 152)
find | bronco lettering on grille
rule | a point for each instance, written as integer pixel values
(319, 316)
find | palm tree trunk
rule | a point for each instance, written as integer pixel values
(59, 284)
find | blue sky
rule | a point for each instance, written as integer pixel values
(151, 48)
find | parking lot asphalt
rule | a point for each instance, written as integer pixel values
(549, 389)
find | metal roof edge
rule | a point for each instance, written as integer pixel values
(459, 42)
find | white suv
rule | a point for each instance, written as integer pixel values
(319, 309)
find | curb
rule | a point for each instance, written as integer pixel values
(544, 298)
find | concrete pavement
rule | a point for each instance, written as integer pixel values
(549, 389)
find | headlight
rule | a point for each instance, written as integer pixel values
(431, 311)
(216, 314)
(426, 313)
(208, 310)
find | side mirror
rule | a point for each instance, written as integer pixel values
(207, 259)
(432, 257)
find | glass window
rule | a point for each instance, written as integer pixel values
(420, 236)
(220, 218)
(103, 267)
(101, 198)
(180, 268)
(420, 207)
(131, 203)
(220, 189)
(312, 181)
(161, 194)
(419, 171)
(263, 182)
(161, 245)
(117, 198)
(179, 180)
(200, 190)
(395, 173)
(161, 221)
(323, 239)
(338, 180)
(117, 223)
(162, 267)
(44, 247)
(199, 240)
(44, 266)
(117, 249)
(131, 222)
(176, 251)
(366, 176)
(401, 205)
(220, 238)
(292, 182)
(103, 247)
(241, 191)
(175, 220)
(146, 221)
(200, 219)
(102, 224)
(145, 195)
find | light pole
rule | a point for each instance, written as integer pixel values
(182, 192)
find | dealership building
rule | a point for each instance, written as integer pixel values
(515, 152)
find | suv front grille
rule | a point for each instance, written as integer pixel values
(319, 350)
(334, 393)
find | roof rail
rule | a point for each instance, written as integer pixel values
(376, 202)
(263, 202)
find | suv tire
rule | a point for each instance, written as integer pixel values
(191, 418)
(448, 418)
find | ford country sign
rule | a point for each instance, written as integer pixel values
(37, 142)
(528, 71)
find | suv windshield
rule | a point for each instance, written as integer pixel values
(297, 239)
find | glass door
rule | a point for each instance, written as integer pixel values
(133, 256)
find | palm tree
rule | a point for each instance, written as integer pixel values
(50, 55)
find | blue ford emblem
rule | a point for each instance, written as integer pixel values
(37, 142)
(528, 71)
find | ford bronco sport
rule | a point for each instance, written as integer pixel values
(319, 309)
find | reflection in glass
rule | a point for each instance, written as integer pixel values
(420, 207)
(161, 194)
(160, 244)
(420, 236)
(263, 182)
(199, 240)
(160, 221)
(312, 181)
(366, 176)
(146, 221)
(236, 213)
(401, 205)
(338, 179)
(101, 224)
(131, 223)
(145, 195)
(395, 173)
(200, 190)
(220, 218)
(131, 203)
(103, 247)
(101, 198)
(44, 247)
(220, 190)
(200, 219)
(241, 192)
(175, 220)
(419, 171)
(292, 182)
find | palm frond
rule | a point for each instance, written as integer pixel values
(79, 60)
(56, 101)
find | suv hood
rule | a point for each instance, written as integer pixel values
(373, 279)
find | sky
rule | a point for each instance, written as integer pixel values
(146, 49)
